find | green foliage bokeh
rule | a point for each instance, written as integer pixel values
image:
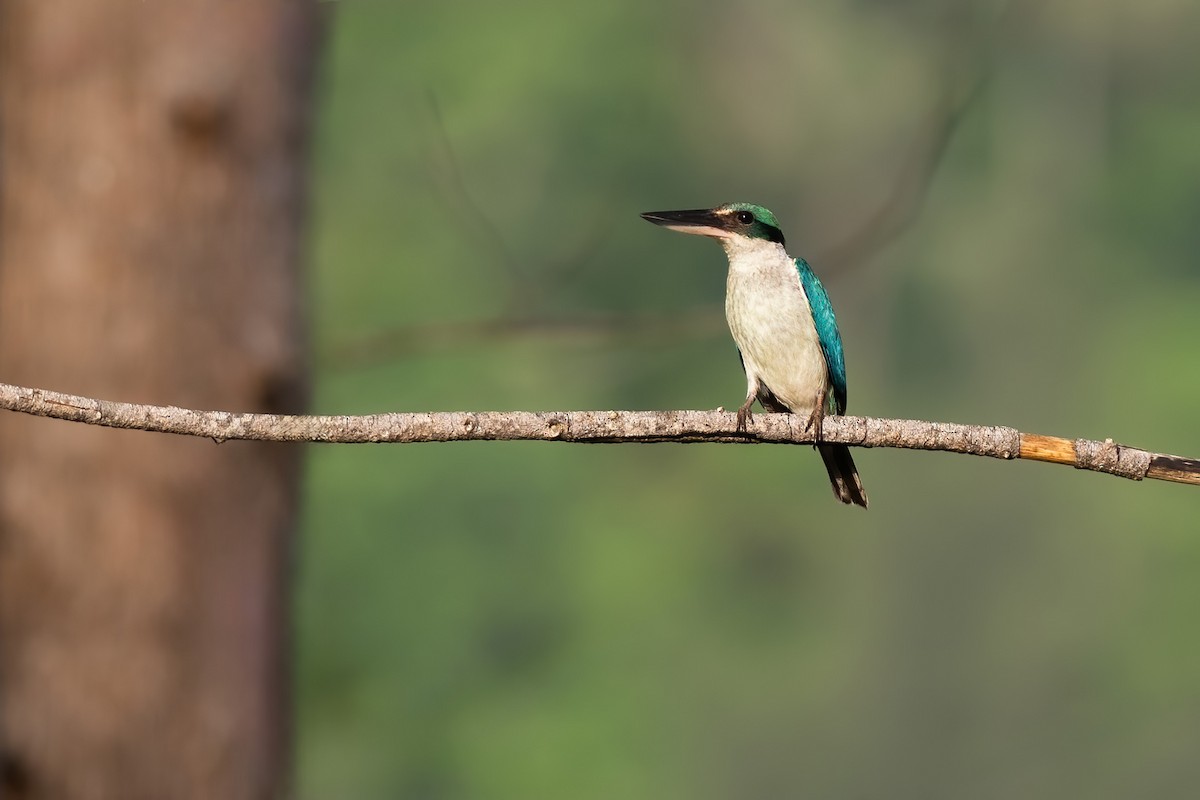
(526, 620)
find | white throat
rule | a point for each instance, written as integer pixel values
(746, 254)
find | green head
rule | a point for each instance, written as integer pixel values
(723, 222)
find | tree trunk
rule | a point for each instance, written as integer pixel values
(152, 161)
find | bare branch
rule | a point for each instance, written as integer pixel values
(597, 427)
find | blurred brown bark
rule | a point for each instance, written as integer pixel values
(152, 160)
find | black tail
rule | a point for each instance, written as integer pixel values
(847, 486)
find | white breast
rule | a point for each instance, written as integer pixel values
(770, 320)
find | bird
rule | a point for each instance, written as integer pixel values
(783, 324)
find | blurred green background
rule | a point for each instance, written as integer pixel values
(527, 620)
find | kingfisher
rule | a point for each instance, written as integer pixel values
(783, 325)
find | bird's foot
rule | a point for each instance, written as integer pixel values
(744, 416)
(817, 418)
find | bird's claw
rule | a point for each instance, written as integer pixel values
(743, 418)
(817, 417)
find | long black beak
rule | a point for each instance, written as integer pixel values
(702, 221)
(695, 217)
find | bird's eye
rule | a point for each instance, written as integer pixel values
(745, 217)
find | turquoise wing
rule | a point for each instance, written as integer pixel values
(827, 332)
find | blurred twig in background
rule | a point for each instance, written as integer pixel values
(523, 316)
(579, 327)
(459, 196)
(903, 204)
